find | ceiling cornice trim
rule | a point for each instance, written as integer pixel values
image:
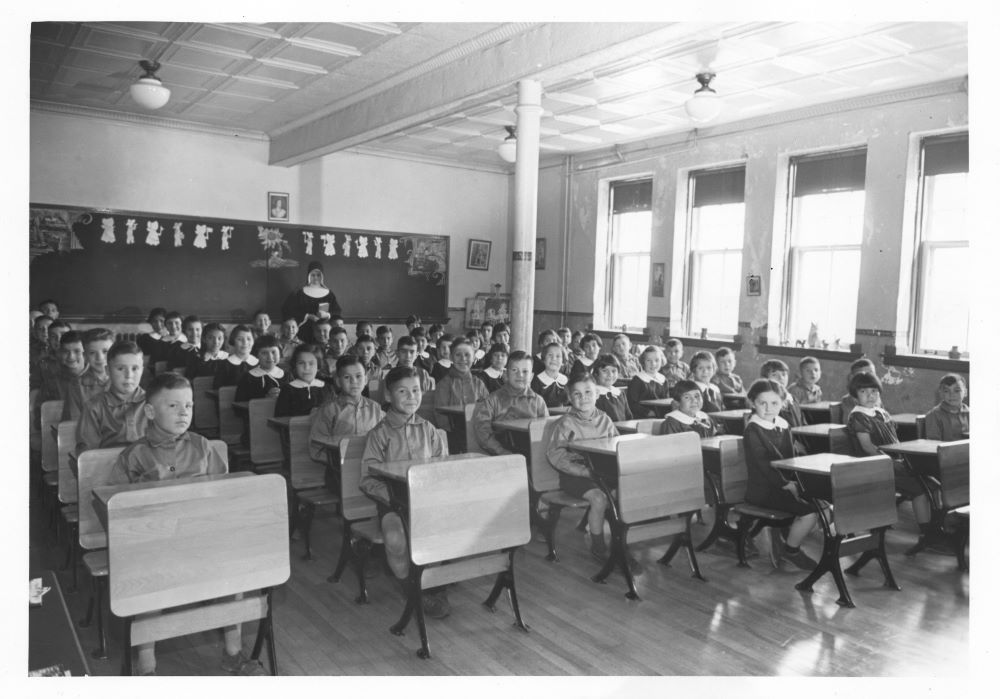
(470, 47)
(144, 120)
(477, 166)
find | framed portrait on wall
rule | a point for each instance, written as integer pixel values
(479, 254)
(277, 206)
(540, 253)
(492, 307)
(658, 274)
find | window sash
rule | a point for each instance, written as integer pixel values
(932, 300)
(712, 305)
(629, 289)
(829, 298)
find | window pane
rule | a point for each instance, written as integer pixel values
(945, 318)
(630, 290)
(836, 218)
(825, 293)
(631, 232)
(715, 289)
(717, 227)
(944, 207)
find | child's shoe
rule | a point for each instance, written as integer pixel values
(241, 664)
(436, 604)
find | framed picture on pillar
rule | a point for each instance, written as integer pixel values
(656, 284)
(540, 253)
(479, 254)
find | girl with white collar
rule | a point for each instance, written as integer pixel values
(266, 379)
(239, 361)
(494, 374)
(767, 438)
(647, 384)
(551, 383)
(610, 398)
(689, 416)
(702, 370)
(304, 392)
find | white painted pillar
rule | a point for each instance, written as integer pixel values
(529, 113)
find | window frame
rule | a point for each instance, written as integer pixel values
(612, 257)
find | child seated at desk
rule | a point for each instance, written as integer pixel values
(38, 348)
(348, 412)
(402, 435)
(859, 366)
(95, 379)
(647, 384)
(239, 361)
(806, 388)
(364, 349)
(689, 416)
(168, 451)
(304, 392)
(459, 386)
(406, 355)
(768, 438)
(478, 353)
(261, 324)
(868, 428)
(501, 335)
(384, 351)
(151, 343)
(184, 355)
(493, 375)
(725, 378)
(288, 340)
(611, 399)
(948, 421)
(583, 421)
(551, 383)
(115, 416)
(545, 338)
(675, 367)
(628, 364)
(173, 332)
(210, 355)
(266, 379)
(334, 350)
(423, 359)
(514, 399)
(63, 381)
(590, 350)
(443, 363)
(702, 371)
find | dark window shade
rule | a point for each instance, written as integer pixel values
(627, 197)
(719, 187)
(944, 155)
(834, 172)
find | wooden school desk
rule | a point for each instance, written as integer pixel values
(819, 412)
(662, 406)
(735, 401)
(464, 517)
(863, 494)
(517, 432)
(823, 437)
(52, 638)
(732, 420)
(654, 486)
(906, 426)
(637, 425)
(725, 470)
(173, 544)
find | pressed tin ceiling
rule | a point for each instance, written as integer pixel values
(445, 90)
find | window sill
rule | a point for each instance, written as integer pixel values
(841, 355)
(926, 361)
(708, 343)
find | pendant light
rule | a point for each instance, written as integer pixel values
(148, 91)
(508, 149)
(706, 104)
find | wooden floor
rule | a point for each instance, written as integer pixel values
(740, 622)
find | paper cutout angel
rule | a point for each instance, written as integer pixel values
(201, 233)
(393, 248)
(378, 247)
(347, 246)
(329, 244)
(227, 233)
(362, 246)
(307, 238)
(130, 231)
(108, 228)
(178, 234)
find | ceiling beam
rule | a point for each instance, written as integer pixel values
(547, 52)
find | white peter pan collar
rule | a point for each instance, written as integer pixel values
(547, 380)
(779, 422)
(686, 419)
(646, 378)
(276, 372)
(236, 361)
(605, 390)
(424, 355)
(585, 361)
(493, 373)
(446, 363)
(871, 412)
(221, 354)
(299, 383)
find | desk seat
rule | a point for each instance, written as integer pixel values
(543, 482)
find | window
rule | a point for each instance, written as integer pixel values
(825, 227)
(629, 244)
(942, 280)
(715, 251)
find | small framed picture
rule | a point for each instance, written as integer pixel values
(277, 206)
(540, 253)
(656, 283)
(753, 285)
(479, 254)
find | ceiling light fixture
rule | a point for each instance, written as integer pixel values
(706, 104)
(148, 91)
(508, 149)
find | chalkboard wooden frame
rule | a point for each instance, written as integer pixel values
(224, 269)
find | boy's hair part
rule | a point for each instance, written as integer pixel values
(772, 365)
(260, 312)
(264, 342)
(724, 352)
(97, 335)
(382, 330)
(518, 356)
(808, 360)
(123, 347)
(338, 330)
(682, 387)
(418, 332)
(458, 342)
(189, 320)
(364, 338)
(323, 321)
(398, 373)
(172, 315)
(59, 323)
(949, 380)
(405, 341)
(863, 363)
(359, 325)
(762, 386)
(239, 329)
(580, 377)
(673, 342)
(435, 327)
(859, 381)
(167, 381)
(564, 329)
(486, 323)
(348, 360)
(701, 356)
(69, 337)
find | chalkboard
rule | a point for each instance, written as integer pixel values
(116, 265)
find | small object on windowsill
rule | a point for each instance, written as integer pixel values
(800, 343)
(826, 344)
(836, 344)
(954, 354)
(704, 333)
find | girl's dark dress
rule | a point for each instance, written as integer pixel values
(614, 403)
(881, 430)
(554, 394)
(711, 399)
(229, 371)
(492, 382)
(764, 483)
(153, 347)
(639, 390)
(299, 398)
(251, 386)
(677, 421)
